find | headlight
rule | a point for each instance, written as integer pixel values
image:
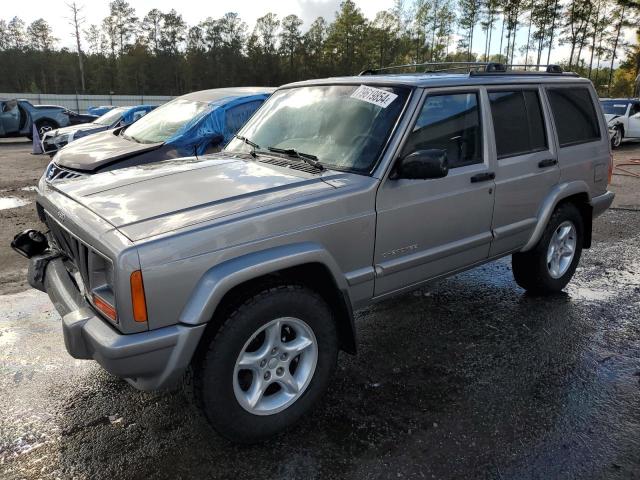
(63, 139)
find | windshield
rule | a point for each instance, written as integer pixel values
(344, 126)
(614, 107)
(160, 124)
(111, 117)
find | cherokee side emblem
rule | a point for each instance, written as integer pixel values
(61, 215)
(400, 251)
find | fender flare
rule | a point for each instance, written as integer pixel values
(555, 196)
(216, 282)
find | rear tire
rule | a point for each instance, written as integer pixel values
(267, 365)
(549, 266)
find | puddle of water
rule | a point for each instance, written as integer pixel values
(12, 202)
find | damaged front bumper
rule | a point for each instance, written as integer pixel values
(149, 360)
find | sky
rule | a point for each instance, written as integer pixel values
(193, 11)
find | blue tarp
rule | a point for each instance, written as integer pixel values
(224, 117)
(134, 113)
(99, 111)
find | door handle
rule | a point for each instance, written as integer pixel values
(483, 177)
(549, 162)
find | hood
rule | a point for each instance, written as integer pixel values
(95, 151)
(160, 197)
(84, 127)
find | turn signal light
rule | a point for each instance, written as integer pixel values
(137, 297)
(104, 307)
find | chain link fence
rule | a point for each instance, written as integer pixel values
(79, 103)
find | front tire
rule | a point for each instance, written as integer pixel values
(549, 266)
(267, 365)
(45, 126)
(616, 140)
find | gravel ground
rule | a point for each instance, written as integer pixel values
(469, 378)
(21, 171)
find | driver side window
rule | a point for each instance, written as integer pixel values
(449, 122)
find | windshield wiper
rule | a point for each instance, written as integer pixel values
(253, 145)
(305, 157)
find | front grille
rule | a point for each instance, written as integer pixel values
(91, 271)
(56, 172)
(75, 250)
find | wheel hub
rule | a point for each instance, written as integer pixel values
(275, 365)
(562, 248)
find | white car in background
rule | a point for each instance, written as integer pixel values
(623, 118)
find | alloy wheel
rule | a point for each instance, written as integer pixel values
(562, 249)
(275, 366)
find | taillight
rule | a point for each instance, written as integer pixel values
(104, 307)
(610, 176)
(137, 297)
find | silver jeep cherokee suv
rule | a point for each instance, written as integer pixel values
(245, 266)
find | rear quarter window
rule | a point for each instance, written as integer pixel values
(574, 115)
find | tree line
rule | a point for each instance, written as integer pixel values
(158, 53)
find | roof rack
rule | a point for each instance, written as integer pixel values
(475, 68)
(448, 66)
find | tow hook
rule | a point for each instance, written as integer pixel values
(29, 243)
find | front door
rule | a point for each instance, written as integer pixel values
(426, 228)
(634, 121)
(527, 163)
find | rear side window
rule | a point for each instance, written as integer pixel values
(518, 122)
(574, 115)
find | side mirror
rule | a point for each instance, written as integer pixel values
(423, 165)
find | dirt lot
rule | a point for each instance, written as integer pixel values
(469, 378)
(21, 173)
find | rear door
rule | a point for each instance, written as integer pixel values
(526, 162)
(426, 228)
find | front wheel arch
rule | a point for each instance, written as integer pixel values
(314, 276)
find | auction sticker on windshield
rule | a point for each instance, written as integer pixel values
(378, 97)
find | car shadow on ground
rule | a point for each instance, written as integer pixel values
(470, 377)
